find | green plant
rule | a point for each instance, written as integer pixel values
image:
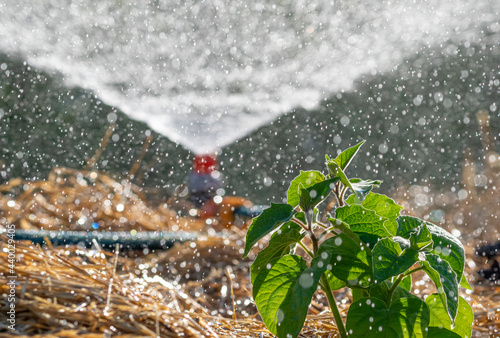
(364, 245)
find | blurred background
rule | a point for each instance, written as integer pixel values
(271, 87)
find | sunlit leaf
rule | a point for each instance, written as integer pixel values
(446, 282)
(465, 283)
(270, 219)
(311, 196)
(346, 230)
(307, 179)
(381, 291)
(407, 224)
(370, 317)
(304, 198)
(334, 282)
(438, 332)
(286, 228)
(403, 242)
(361, 219)
(363, 187)
(346, 260)
(389, 260)
(283, 294)
(383, 206)
(441, 319)
(345, 157)
(445, 245)
(336, 171)
(279, 245)
(421, 239)
(406, 283)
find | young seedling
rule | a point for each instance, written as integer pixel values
(363, 244)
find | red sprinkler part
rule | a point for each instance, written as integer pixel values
(205, 164)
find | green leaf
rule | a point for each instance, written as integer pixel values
(445, 245)
(279, 245)
(381, 291)
(421, 239)
(363, 187)
(441, 319)
(310, 197)
(307, 179)
(283, 294)
(406, 224)
(267, 221)
(346, 260)
(436, 332)
(361, 219)
(336, 171)
(369, 239)
(334, 282)
(304, 199)
(446, 282)
(345, 157)
(406, 283)
(301, 217)
(286, 228)
(403, 242)
(344, 227)
(389, 260)
(464, 283)
(383, 206)
(370, 317)
(449, 248)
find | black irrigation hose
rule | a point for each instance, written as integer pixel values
(133, 240)
(489, 251)
(152, 240)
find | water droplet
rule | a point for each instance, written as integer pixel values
(280, 316)
(306, 281)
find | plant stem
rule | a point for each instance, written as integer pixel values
(333, 306)
(336, 192)
(341, 199)
(324, 282)
(321, 235)
(357, 294)
(414, 270)
(306, 249)
(324, 226)
(394, 286)
(398, 280)
(314, 239)
(314, 242)
(297, 221)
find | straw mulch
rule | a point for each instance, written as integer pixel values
(67, 292)
(82, 200)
